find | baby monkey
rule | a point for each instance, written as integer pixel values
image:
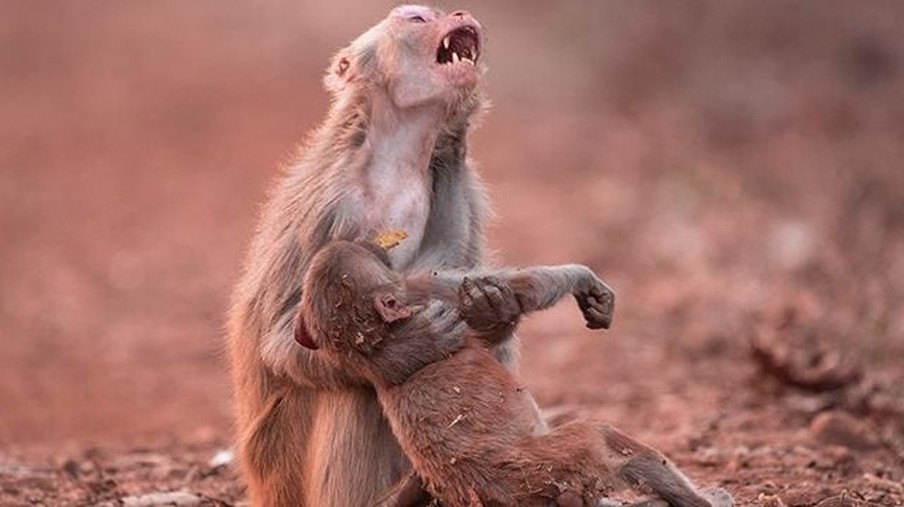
(467, 425)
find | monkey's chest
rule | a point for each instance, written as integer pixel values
(404, 207)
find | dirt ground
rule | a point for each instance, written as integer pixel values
(734, 169)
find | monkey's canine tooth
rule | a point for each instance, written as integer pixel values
(446, 43)
(455, 57)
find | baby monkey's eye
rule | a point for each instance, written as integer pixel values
(417, 18)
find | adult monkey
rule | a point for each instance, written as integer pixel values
(391, 155)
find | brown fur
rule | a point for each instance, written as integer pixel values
(308, 432)
(467, 424)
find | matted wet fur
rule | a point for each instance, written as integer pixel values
(467, 424)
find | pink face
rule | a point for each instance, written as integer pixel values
(429, 55)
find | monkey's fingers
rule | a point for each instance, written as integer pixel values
(450, 334)
(490, 304)
(502, 299)
(510, 307)
(434, 313)
(478, 299)
(601, 289)
(604, 303)
(598, 315)
(448, 320)
(596, 319)
(485, 293)
(491, 293)
(466, 292)
(432, 308)
(458, 328)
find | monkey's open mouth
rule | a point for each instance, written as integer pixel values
(459, 45)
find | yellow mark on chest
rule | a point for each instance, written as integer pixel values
(390, 239)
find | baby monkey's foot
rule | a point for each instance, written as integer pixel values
(718, 497)
(488, 305)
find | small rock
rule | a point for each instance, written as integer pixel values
(844, 500)
(569, 499)
(765, 500)
(162, 498)
(100, 487)
(805, 495)
(71, 468)
(222, 457)
(841, 428)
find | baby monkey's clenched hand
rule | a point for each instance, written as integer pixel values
(489, 305)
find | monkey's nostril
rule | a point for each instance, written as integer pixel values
(460, 14)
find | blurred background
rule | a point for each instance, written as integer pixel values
(730, 167)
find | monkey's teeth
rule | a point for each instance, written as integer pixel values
(468, 60)
(446, 43)
(455, 57)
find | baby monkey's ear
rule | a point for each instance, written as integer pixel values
(390, 307)
(302, 336)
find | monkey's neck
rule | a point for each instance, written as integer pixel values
(396, 179)
(402, 142)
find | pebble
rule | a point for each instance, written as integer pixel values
(840, 428)
(222, 457)
(162, 498)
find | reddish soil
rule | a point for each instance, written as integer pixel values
(733, 169)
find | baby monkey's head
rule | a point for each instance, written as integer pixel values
(349, 298)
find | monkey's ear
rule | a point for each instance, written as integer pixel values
(390, 307)
(339, 72)
(302, 336)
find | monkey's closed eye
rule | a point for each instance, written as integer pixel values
(417, 19)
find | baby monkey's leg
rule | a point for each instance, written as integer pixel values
(621, 462)
(647, 471)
